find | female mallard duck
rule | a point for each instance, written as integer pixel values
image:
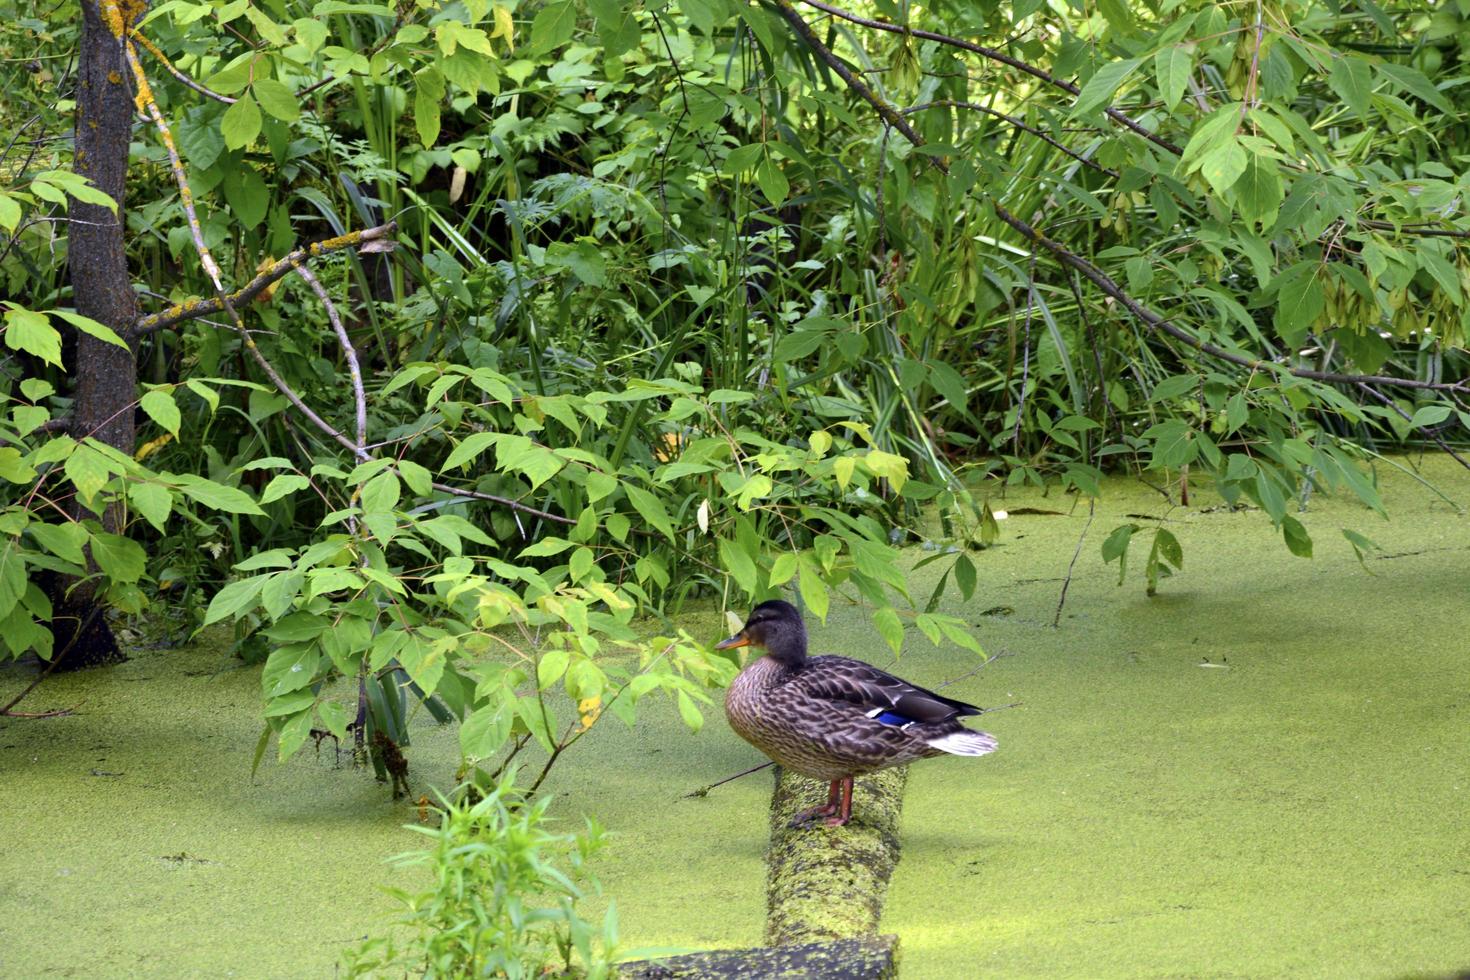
(833, 718)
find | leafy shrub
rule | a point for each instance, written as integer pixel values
(501, 900)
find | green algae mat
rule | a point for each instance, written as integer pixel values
(1261, 771)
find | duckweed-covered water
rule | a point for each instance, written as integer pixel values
(1262, 771)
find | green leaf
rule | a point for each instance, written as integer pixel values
(550, 667)
(120, 559)
(1298, 305)
(1414, 82)
(473, 446)
(1361, 545)
(152, 501)
(1258, 192)
(1172, 66)
(9, 212)
(1223, 165)
(289, 668)
(217, 496)
(552, 27)
(65, 541)
(739, 565)
(964, 576)
(428, 92)
(1352, 79)
(381, 493)
(1099, 89)
(275, 98)
(92, 328)
(1116, 13)
(889, 626)
(161, 408)
(88, 470)
(813, 590)
(651, 508)
(12, 576)
(1430, 415)
(241, 123)
(485, 731)
(282, 485)
(772, 181)
(29, 331)
(689, 711)
(233, 598)
(1298, 541)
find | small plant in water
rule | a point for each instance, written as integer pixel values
(502, 900)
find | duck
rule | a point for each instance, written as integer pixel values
(834, 718)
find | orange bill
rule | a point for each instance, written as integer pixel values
(738, 640)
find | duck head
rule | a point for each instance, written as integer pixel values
(776, 628)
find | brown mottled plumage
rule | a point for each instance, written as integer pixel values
(833, 718)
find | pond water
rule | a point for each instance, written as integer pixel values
(1260, 771)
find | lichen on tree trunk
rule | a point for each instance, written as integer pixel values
(829, 882)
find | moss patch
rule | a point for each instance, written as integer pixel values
(829, 882)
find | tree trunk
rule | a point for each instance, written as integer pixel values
(106, 376)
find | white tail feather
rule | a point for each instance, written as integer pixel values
(964, 743)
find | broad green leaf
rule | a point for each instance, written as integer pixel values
(29, 331)
(553, 26)
(1223, 165)
(65, 541)
(1100, 88)
(772, 181)
(88, 471)
(161, 408)
(813, 590)
(1258, 192)
(651, 508)
(275, 98)
(289, 668)
(120, 559)
(890, 627)
(739, 565)
(1172, 66)
(233, 598)
(91, 328)
(1352, 79)
(1414, 82)
(1298, 305)
(282, 485)
(1298, 541)
(241, 123)
(12, 576)
(217, 496)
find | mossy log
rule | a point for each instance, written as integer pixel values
(829, 882)
(867, 958)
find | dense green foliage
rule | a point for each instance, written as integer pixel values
(695, 298)
(502, 902)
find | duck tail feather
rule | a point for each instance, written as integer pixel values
(964, 742)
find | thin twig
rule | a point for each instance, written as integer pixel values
(350, 352)
(1016, 122)
(1067, 582)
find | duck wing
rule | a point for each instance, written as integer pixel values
(892, 700)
